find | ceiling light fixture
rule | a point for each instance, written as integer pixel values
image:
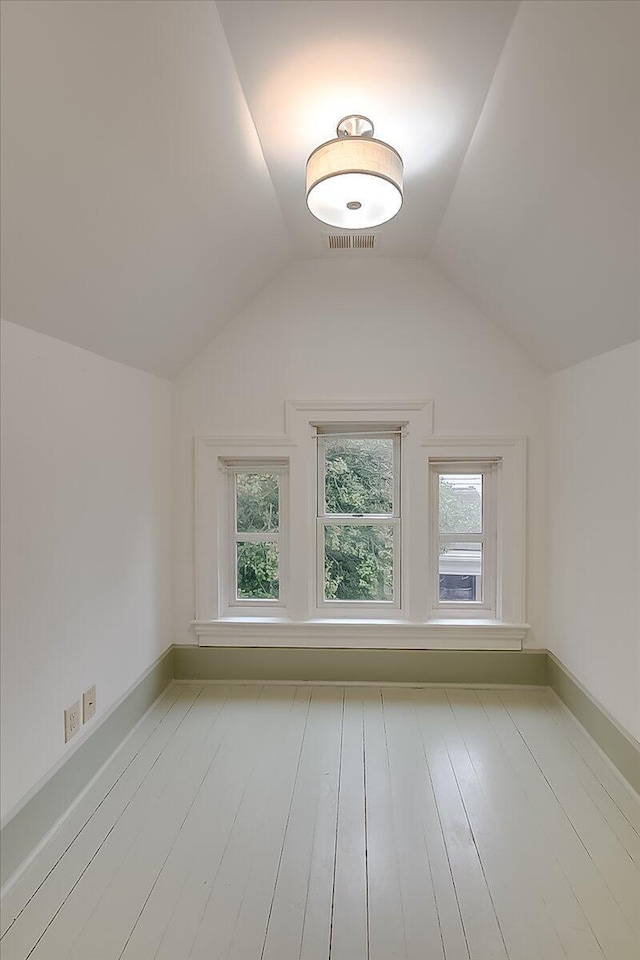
(354, 181)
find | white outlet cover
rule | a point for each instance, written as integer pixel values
(71, 721)
(88, 703)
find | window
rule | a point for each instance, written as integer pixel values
(257, 513)
(358, 519)
(328, 534)
(464, 535)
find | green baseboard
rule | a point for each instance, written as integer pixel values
(33, 821)
(366, 666)
(619, 746)
(30, 825)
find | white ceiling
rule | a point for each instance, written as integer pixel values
(139, 213)
(543, 227)
(419, 71)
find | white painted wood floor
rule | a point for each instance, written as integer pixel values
(330, 823)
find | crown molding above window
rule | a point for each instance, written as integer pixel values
(299, 413)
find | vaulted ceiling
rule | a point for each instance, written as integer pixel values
(153, 160)
(420, 71)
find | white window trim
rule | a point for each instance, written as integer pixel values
(416, 419)
(510, 499)
(360, 634)
(213, 455)
(300, 622)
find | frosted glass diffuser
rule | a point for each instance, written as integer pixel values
(355, 181)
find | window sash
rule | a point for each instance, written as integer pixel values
(235, 600)
(462, 537)
(266, 537)
(393, 519)
(483, 596)
(235, 468)
(323, 522)
(488, 537)
(361, 435)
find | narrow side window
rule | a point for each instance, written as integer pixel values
(464, 535)
(257, 561)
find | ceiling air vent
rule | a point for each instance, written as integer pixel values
(349, 241)
(339, 241)
(363, 241)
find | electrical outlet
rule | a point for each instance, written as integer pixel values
(88, 703)
(71, 721)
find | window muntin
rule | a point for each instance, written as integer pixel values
(358, 521)
(464, 536)
(257, 512)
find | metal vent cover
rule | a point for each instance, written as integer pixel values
(339, 241)
(349, 241)
(363, 241)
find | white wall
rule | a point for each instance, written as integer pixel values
(594, 569)
(86, 479)
(86, 540)
(352, 329)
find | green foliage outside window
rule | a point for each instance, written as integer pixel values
(257, 502)
(258, 571)
(257, 511)
(460, 506)
(358, 560)
(358, 475)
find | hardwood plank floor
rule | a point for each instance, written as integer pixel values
(243, 822)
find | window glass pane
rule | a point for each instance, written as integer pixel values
(258, 576)
(358, 475)
(460, 569)
(358, 562)
(257, 502)
(460, 503)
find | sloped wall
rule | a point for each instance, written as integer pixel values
(352, 329)
(86, 541)
(594, 556)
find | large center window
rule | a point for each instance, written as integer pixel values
(358, 518)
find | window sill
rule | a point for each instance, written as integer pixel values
(363, 634)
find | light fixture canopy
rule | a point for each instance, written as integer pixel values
(354, 181)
